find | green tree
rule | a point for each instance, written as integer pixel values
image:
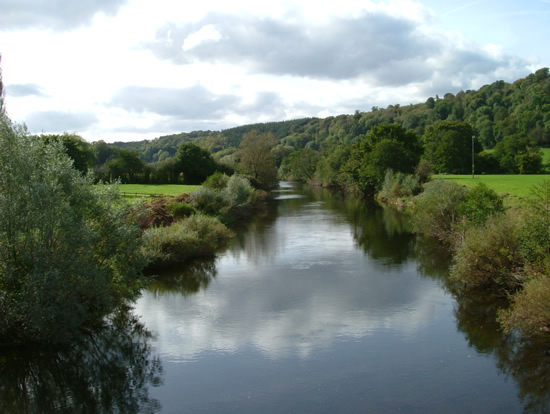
(301, 164)
(103, 152)
(195, 163)
(386, 146)
(78, 150)
(480, 203)
(448, 146)
(256, 157)
(517, 155)
(126, 166)
(68, 253)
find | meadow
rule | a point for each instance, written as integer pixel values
(154, 190)
(514, 184)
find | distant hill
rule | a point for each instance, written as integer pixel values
(494, 111)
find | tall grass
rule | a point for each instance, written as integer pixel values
(195, 236)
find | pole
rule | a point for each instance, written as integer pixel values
(473, 137)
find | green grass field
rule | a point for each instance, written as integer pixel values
(518, 185)
(148, 190)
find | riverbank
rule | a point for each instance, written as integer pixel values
(196, 224)
(501, 250)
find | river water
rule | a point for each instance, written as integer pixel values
(323, 304)
(328, 305)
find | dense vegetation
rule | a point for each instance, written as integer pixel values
(510, 123)
(69, 245)
(69, 255)
(498, 251)
(510, 119)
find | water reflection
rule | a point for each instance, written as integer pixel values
(107, 371)
(295, 281)
(527, 362)
(322, 273)
(187, 280)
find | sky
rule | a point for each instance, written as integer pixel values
(128, 70)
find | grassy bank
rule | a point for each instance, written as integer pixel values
(518, 185)
(194, 224)
(155, 190)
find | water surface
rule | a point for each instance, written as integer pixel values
(326, 305)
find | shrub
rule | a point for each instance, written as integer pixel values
(216, 181)
(196, 236)
(435, 212)
(424, 171)
(490, 255)
(180, 209)
(530, 309)
(399, 185)
(237, 191)
(480, 203)
(535, 232)
(206, 200)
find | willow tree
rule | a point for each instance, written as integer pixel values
(256, 157)
(69, 256)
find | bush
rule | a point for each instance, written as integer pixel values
(196, 236)
(216, 181)
(530, 309)
(180, 209)
(424, 170)
(535, 232)
(480, 203)
(435, 212)
(398, 185)
(237, 191)
(490, 255)
(206, 200)
(68, 253)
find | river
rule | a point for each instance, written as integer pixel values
(324, 304)
(327, 305)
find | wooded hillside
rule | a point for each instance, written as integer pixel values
(494, 111)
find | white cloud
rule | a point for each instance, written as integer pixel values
(253, 61)
(205, 34)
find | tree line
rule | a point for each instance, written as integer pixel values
(509, 122)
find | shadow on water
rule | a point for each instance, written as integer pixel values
(185, 280)
(106, 371)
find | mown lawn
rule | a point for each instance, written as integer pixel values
(147, 190)
(518, 185)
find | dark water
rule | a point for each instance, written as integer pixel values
(323, 305)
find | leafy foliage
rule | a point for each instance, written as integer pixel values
(398, 185)
(179, 209)
(195, 163)
(256, 158)
(449, 146)
(386, 146)
(217, 181)
(490, 255)
(480, 203)
(494, 113)
(197, 235)
(80, 151)
(300, 165)
(68, 254)
(517, 155)
(435, 212)
(530, 309)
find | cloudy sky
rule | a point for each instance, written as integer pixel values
(126, 70)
